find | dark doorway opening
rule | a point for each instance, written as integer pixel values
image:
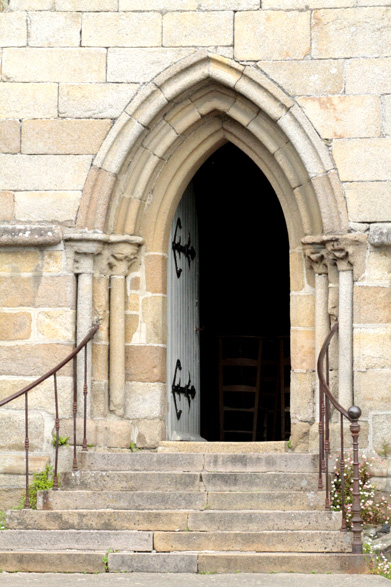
(244, 299)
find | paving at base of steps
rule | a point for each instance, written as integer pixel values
(191, 580)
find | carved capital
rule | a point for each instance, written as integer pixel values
(117, 258)
(348, 252)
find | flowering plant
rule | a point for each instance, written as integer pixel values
(373, 510)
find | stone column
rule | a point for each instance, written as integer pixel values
(117, 258)
(84, 254)
(342, 251)
(315, 254)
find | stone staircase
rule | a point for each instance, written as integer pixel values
(181, 512)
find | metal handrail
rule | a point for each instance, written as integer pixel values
(352, 415)
(53, 373)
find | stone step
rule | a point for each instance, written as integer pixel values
(223, 447)
(268, 541)
(263, 500)
(260, 481)
(32, 540)
(223, 562)
(121, 500)
(130, 481)
(206, 521)
(182, 462)
(52, 562)
(278, 562)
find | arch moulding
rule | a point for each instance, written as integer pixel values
(178, 120)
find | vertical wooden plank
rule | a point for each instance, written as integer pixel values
(183, 318)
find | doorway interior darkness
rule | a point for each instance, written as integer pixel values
(244, 291)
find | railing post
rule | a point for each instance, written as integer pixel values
(27, 446)
(357, 546)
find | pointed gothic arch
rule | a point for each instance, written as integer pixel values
(172, 126)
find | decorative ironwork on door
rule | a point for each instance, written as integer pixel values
(178, 249)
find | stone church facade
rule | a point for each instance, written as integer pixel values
(108, 108)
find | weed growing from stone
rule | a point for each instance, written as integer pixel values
(62, 441)
(41, 481)
(377, 562)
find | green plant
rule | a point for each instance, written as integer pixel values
(290, 443)
(133, 447)
(385, 450)
(377, 562)
(2, 520)
(105, 559)
(374, 510)
(62, 441)
(41, 481)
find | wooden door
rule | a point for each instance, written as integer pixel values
(183, 345)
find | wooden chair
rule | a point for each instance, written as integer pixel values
(249, 369)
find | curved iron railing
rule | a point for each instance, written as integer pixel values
(352, 415)
(53, 373)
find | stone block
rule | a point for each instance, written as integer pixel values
(368, 202)
(9, 136)
(12, 430)
(296, 265)
(33, 360)
(28, 100)
(87, 5)
(154, 316)
(100, 362)
(54, 29)
(45, 562)
(113, 433)
(44, 172)
(338, 117)
(303, 349)
(140, 65)
(202, 29)
(371, 305)
(133, 303)
(368, 76)
(312, 77)
(54, 65)
(15, 464)
(99, 399)
(56, 325)
(302, 311)
(7, 205)
(165, 5)
(229, 4)
(38, 292)
(145, 400)
(42, 396)
(145, 363)
(256, 34)
(156, 273)
(13, 29)
(387, 112)
(15, 325)
(68, 137)
(363, 159)
(148, 433)
(138, 29)
(153, 563)
(302, 396)
(94, 100)
(131, 326)
(31, 4)
(372, 390)
(381, 430)
(305, 4)
(300, 436)
(28, 261)
(335, 33)
(372, 348)
(47, 206)
(378, 265)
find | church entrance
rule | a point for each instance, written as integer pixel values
(228, 306)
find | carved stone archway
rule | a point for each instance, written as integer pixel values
(167, 132)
